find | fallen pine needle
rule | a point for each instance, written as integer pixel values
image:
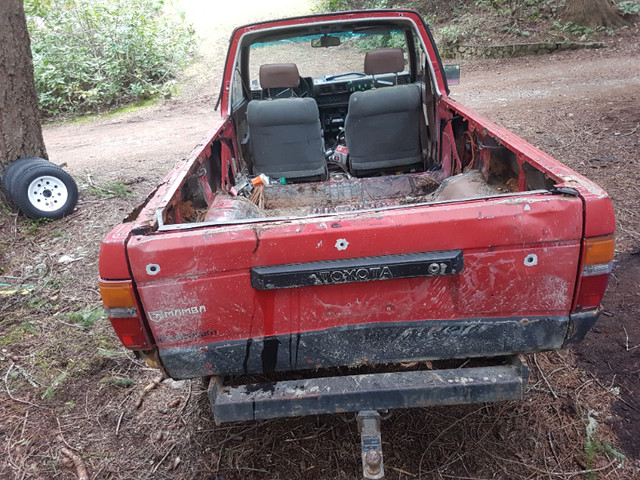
(155, 469)
(399, 470)
(119, 421)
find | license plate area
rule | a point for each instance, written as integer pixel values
(354, 270)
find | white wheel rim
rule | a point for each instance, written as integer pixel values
(48, 194)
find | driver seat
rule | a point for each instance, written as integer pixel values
(285, 133)
(382, 127)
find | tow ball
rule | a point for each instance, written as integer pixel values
(371, 444)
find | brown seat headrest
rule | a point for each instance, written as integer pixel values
(385, 60)
(279, 75)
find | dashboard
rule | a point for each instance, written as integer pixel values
(329, 91)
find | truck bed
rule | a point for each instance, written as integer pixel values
(343, 193)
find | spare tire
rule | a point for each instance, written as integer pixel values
(44, 191)
(13, 171)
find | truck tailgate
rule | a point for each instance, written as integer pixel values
(483, 277)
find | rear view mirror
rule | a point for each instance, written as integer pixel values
(452, 73)
(325, 41)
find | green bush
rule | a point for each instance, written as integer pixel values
(331, 5)
(629, 8)
(375, 41)
(451, 35)
(93, 54)
(343, 5)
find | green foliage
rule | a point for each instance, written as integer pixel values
(86, 318)
(594, 447)
(32, 225)
(331, 5)
(451, 35)
(91, 54)
(109, 353)
(57, 233)
(629, 7)
(373, 4)
(520, 10)
(574, 29)
(38, 303)
(118, 382)
(49, 393)
(373, 42)
(17, 333)
(342, 5)
(515, 30)
(29, 328)
(111, 190)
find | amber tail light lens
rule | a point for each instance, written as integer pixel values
(597, 261)
(122, 309)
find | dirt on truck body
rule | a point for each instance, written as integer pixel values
(346, 213)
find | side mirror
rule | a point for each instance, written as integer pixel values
(325, 41)
(452, 74)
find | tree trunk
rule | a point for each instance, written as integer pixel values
(20, 130)
(592, 13)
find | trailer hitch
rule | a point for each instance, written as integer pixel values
(371, 443)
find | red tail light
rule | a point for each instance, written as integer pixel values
(122, 309)
(597, 261)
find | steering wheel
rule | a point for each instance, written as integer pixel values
(304, 89)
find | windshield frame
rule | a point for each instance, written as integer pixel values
(238, 56)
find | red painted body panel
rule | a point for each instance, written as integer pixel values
(210, 268)
(113, 263)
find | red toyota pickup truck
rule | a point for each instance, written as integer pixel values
(350, 238)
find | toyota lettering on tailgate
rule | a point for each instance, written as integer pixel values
(368, 269)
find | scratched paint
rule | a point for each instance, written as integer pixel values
(494, 281)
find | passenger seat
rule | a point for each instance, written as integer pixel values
(285, 133)
(382, 127)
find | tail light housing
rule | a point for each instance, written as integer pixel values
(122, 309)
(596, 265)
